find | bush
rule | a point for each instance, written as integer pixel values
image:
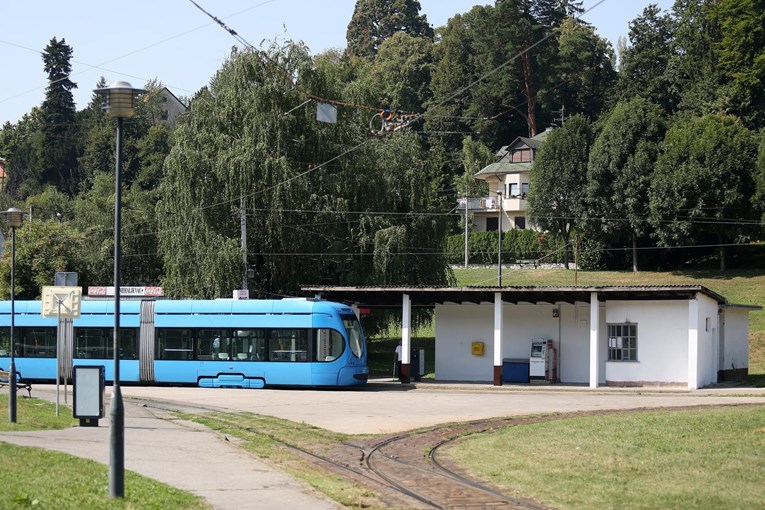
(517, 245)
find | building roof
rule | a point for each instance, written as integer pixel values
(387, 297)
(504, 165)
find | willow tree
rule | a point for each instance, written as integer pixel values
(315, 199)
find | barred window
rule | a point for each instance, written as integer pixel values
(622, 342)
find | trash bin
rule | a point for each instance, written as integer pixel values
(515, 370)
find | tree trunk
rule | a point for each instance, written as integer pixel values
(531, 104)
(634, 254)
(721, 250)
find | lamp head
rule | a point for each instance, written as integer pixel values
(119, 99)
(13, 217)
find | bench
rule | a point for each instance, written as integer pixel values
(20, 385)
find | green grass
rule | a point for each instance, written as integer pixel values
(35, 414)
(690, 459)
(43, 479)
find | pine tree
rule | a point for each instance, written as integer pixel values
(58, 150)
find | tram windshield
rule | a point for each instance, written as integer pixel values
(355, 336)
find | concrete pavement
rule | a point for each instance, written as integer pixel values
(181, 454)
(193, 458)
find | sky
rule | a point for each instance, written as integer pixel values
(175, 43)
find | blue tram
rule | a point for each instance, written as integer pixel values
(218, 343)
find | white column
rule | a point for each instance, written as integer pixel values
(497, 329)
(406, 330)
(594, 335)
(693, 344)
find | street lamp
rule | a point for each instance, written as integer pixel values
(119, 102)
(499, 244)
(13, 218)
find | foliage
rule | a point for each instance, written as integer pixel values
(703, 183)
(619, 171)
(43, 247)
(559, 173)
(644, 63)
(58, 144)
(375, 21)
(518, 246)
(312, 213)
(742, 57)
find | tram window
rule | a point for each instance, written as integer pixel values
(288, 345)
(98, 343)
(329, 345)
(249, 344)
(213, 344)
(355, 336)
(37, 343)
(175, 344)
(5, 342)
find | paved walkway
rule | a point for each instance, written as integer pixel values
(180, 454)
(195, 459)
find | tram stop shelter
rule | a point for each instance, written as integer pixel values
(675, 335)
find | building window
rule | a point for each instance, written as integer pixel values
(521, 155)
(514, 189)
(520, 222)
(622, 342)
(492, 224)
(524, 188)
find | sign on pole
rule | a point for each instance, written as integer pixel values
(63, 303)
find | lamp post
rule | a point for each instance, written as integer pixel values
(119, 103)
(13, 218)
(499, 244)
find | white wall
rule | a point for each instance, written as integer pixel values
(708, 341)
(457, 326)
(736, 341)
(662, 331)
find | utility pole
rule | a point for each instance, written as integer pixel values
(243, 227)
(466, 226)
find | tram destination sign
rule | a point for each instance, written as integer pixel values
(126, 291)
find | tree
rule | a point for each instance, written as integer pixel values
(375, 21)
(619, 171)
(59, 149)
(742, 57)
(703, 183)
(584, 74)
(316, 210)
(399, 76)
(759, 176)
(558, 178)
(644, 63)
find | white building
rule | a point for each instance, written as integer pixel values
(683, 336)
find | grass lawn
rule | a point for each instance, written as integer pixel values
(690, 459)
(43, 479)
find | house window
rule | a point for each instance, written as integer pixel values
(514, 189)
(492, 224)
(520, 222)
(622, 342)
(524, 188)
(521, 155)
